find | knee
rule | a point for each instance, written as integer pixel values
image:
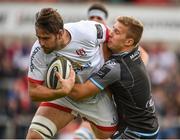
(33, 135)
(41, 128)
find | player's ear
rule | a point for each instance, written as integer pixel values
(129, 42)
(60, 33)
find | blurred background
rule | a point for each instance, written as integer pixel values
(161, 40)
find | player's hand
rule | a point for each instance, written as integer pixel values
(66, 84)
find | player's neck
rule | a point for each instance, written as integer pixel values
(67, 37)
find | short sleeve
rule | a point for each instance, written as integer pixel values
(108, 74)
(92, 31)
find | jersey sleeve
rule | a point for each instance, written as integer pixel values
(37, 66)
(95, 31)
(108, 74)
(102, 33)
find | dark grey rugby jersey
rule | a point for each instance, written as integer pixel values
(128, 81)
(107, 75)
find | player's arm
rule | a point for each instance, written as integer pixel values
(108, 74)
(144, 55)
(40, 92)
(82, 91)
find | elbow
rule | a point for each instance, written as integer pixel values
(32, 96)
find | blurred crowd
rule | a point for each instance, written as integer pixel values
(164, 71)
(16, 108)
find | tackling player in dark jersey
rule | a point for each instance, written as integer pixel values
(126, 77)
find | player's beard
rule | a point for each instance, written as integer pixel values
(50, 50)
(59, 45)
(47, 50)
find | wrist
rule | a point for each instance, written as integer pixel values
(61, 92)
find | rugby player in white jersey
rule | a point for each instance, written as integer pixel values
(80, 43)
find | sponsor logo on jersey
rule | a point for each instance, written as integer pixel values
(99, 31)
(103, 71)
(32, 58)
(81, 52)
(135, 55)
(78, 67)
(111, 62)
(150, 103)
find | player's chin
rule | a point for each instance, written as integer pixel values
(47, 51)
(110, 45)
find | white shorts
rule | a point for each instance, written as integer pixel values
(100, 110)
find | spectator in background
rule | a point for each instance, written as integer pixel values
(164, 75)
(15, 104)
(99, 13)
(22, 53)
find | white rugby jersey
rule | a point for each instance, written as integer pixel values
(83, 49)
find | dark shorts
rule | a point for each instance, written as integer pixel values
(129, 134)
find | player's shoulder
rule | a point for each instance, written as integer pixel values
(79, 23)
(84, 29)
(111, 61)
(83, 25)
(112, 64)
(36, 46)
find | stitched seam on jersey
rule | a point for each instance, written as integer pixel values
(132, 83)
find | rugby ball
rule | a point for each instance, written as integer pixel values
(59, 64)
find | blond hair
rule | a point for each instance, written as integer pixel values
(135, 27)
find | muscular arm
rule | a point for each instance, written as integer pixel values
(109, 73)
(39, 92)
(82, 91)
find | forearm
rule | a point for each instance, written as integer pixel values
(78, 93)
(42, 93)
(83, 91)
